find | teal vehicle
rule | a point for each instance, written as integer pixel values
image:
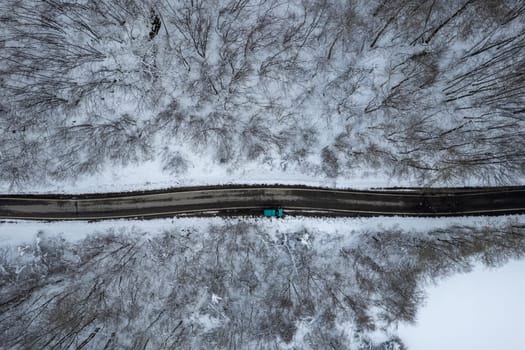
(273, 212)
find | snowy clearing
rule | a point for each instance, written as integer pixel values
(480, 310)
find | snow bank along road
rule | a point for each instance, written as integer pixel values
(246, 200)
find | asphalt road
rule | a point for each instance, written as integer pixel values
(250, 200)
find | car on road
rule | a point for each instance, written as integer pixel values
(273, 212)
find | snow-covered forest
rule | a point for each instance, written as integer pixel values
(199, 92)
(426, 90)
(233, 285)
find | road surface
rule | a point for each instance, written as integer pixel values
(250, 200)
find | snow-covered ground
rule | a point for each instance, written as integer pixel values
(201, 171)
(481, 310)
(150, 176)
(14, 232)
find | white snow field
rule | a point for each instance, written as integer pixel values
(481, 310)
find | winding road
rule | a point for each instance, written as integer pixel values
(250, 200)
